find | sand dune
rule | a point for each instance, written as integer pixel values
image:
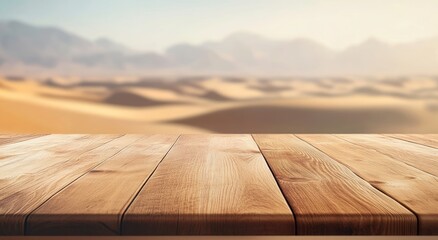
(225, 105)
(277, 119)
(30, 115)
(214, 96)
(129, 99)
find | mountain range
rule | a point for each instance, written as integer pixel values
(29, 50)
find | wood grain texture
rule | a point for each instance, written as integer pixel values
(430, 140)
(10, 139)
(218, 184)
(410, 186)
(328, 198)
(29, 147)
(35, 177)
(21, 160)
(210, 184)
(94, 204)
(416, 155)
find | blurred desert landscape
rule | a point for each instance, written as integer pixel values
(219, 105)
(341, 66)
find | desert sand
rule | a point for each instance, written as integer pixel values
(219, 104)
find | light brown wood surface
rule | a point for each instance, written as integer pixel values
(414, 188)
(210, 184)
(327, 197)
(430, 140)
(34, 145)
(40, 174)
(10, 139)
(218, 184)
(416, 155)
(103, 194)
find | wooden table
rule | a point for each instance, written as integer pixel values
(218, 184)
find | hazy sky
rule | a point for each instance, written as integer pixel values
(156, 24)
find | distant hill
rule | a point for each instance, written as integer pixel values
(26, 49)
(255, 54)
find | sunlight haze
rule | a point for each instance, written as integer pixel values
(156, 25)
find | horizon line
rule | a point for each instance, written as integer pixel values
(247, 32)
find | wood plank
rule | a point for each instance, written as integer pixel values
(24, 158)
(38, 176)
(33, 145)
(210, 184)
(430, 140)
(328, 198)
(419, 156)
(94, 204)
(408, 185)
(10, 139)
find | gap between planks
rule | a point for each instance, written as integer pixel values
(31, 175)
(145, 182)
(418, 156)
(210, 184)
(419, 139)
(142, 186)
(408, 185)
(114, 183)
(278, 184)
(61, 189)
(316, 187)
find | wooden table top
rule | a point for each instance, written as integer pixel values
(219, 184)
